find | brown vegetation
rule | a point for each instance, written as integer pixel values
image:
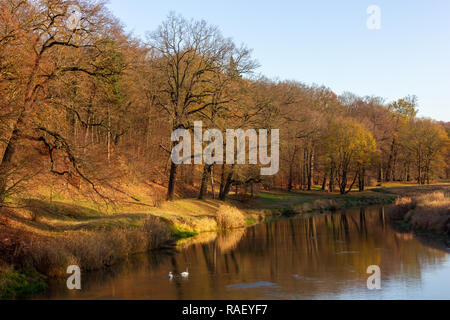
(91, 110)
(430, 212)
(230, 218)
(90, 250)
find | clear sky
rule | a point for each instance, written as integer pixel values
(327, 42)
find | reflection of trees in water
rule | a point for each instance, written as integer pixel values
(382, 216)
(228, 240)
(112, 280)
(327, 254)
(327, 246)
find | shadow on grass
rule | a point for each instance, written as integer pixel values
(60, 217)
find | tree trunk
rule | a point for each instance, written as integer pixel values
(205, 179)
(428, 172)
(6, 164)
(291, 177)
(108, 139)
(310, 169)
(343, 182)
(213, 191)
(380, 173)
(222, 180)
(172, 181)
(394, 166)
(332, 178)
(227, 186)
(388, 176)
(419, 171)
(362, 180)
(324, 183)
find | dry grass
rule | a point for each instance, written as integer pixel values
(63, 233)
(430, 212)
(230, 218)
(188, 224)
(93, 250)
(401, 208)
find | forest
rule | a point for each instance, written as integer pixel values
(91, 109)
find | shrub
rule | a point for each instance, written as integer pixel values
(230, 217)
(156, 232)
(186, 226)
(401, 208)
(428, 199)
(432, 219)
(432, 213)
(429, 212)
(94, 250)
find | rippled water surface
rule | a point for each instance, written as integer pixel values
(312, 257)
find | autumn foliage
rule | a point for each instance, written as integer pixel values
(90, 110)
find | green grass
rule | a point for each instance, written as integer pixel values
(281, 200)
(287, 203)
(277, 197)
(180, 235)
(16, 284)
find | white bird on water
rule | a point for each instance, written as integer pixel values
(185, 274)
(170, 275)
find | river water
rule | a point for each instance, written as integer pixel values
(310, 257)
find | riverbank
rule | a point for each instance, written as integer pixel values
(48, 236)
(426, 213)
(15, 283)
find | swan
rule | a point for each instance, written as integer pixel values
(185, 274)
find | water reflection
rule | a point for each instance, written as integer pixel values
(312, 257)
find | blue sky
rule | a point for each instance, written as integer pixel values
(328, 43)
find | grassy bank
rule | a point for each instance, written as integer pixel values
(47, 236)
(429, 213)
(19, 284)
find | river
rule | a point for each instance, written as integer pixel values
(322, 256)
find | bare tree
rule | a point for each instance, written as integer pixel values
(189, 54)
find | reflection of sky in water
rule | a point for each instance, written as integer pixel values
(314, 257)
(434, 285)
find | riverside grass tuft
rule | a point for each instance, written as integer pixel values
(230, 218)
(430, 212)
(93, 250)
